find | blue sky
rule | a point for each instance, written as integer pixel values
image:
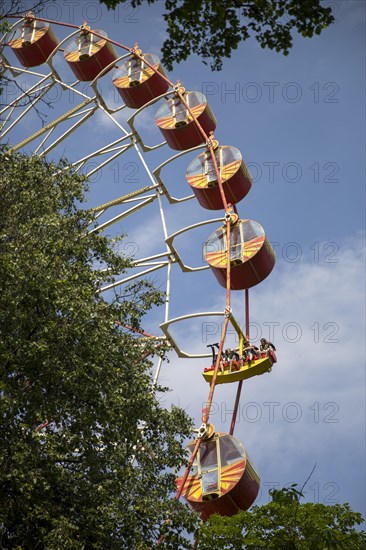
(299, 122)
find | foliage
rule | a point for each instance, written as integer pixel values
(285, 524)
(98, 475)
(213, 29)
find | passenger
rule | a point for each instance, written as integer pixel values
(266, 347)
(233, 358)
(251, 353)
(236, 360)
(226, 357)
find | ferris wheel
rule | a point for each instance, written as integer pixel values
(220, 477)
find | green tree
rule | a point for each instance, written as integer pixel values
(285, 524)
(86, 449)
(213, 29)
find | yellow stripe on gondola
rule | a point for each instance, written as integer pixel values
(169, 122)
(74, 55)
(231, 474)
(124, 81)
(197, 181)
(227, 171)
(166, 122)
(192, 488)
(17, 43)
(251, 247)
(216, 259)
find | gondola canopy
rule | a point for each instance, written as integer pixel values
(33, 42)
(176, 121)
(223, 479)
(88, 54)
(203, 178)
(137, 82)
(252, 257)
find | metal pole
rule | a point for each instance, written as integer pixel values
(238, 392)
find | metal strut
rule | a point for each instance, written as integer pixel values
(240, 384)
(52, 124)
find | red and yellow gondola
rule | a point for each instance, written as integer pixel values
(252, 257)
(234, 175)
(176, 122)
(223, 479)
(88, 54)
(138, 82)
(33, 42)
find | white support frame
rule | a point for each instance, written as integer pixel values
(183, 354)
(132, 202)
(156, 172)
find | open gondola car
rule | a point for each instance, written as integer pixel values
(252, 257)
(202, 177)
(33, 42)
(241, 370)
(223, 480)
(88, 54)
(137, 83)
(177, 124)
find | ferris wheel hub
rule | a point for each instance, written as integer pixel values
(205, 431)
